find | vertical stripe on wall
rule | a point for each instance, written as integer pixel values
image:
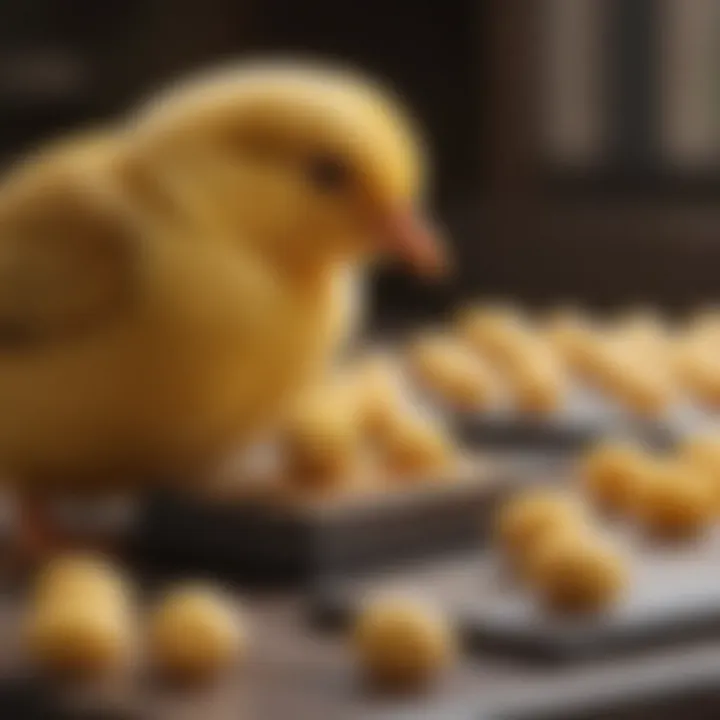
(690, 67)
(632, 83)
(572, 118)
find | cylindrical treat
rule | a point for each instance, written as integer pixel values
(452, 372)
(562, 323)
(645, 335)
(536, 378)
(402, 644)
(382, 394)
(695, 363)
(416, 447)
(493, 331)
(575, 576)
(588, 354)
(322, 440)
(81, 621)
(573, 336)
(645, 389)
(705, 324)
(647, 397)
(679, 501)
(577, 529)
(527, 363)
(613, 476)
(195, 633)
(525, 518)
(703, 453)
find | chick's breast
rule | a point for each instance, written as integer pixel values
(223, 314)
(211, 347)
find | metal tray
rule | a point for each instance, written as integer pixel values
(674, 597)
(260, 539)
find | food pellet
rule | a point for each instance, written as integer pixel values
(402, 644)
(82, 620)
(195, 633)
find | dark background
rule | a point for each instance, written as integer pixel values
(468, 68)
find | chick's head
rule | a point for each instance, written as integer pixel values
(308, 162)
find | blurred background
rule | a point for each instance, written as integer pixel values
(576, 141)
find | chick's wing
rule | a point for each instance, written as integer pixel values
(66, 257)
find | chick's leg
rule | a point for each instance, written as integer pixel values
(41, 533)
(28, 538)
(37, 535)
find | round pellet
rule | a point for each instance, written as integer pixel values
(195, 633)
(81, 621)
(573, 576)
(402, 644)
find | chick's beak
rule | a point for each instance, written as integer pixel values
(411, 238)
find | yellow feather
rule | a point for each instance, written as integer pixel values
(239, 281)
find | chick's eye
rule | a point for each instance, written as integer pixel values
(328, 173)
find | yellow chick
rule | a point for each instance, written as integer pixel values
(168, 285)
